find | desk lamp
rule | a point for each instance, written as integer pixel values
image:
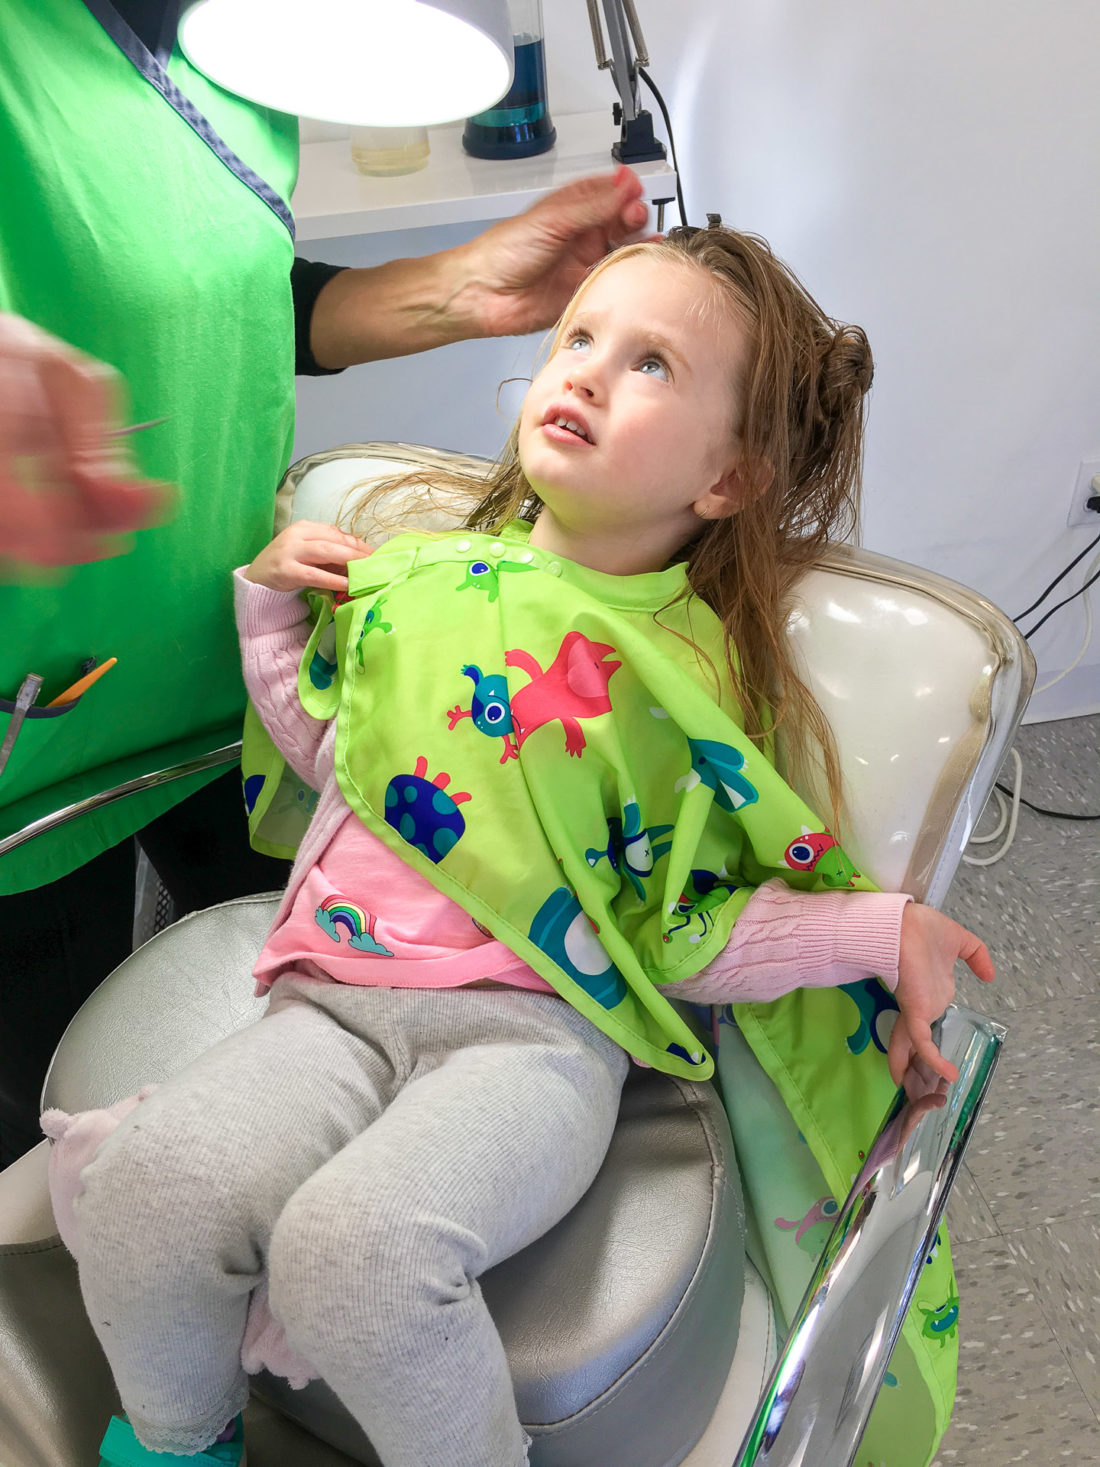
(369, 63)
(396, 63)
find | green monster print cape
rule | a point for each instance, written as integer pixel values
(558, 751)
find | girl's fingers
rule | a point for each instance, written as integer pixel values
(925, 1047)
(316, 577)
(976, 956)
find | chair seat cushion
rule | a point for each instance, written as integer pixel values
(619, 1324)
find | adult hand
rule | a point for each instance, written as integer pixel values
(307, 554)
(930, 945)
(523, 271)
(66, 485)
(516, 277)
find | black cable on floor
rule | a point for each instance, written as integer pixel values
(1057, 814)
(645, 76)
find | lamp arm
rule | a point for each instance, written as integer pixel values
(624, 30)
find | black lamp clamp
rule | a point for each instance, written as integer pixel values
(637, 143)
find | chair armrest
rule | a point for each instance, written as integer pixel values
(25, 1212)
(227, 754)
(817, 1402)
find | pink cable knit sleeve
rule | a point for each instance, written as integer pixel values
(786, 939)
(274, 628)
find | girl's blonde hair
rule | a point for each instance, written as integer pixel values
(797, 416)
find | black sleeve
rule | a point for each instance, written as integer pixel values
(307, 279)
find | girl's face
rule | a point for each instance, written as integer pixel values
(627, 434)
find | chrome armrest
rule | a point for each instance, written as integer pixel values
(227, 754)
(818, 1400)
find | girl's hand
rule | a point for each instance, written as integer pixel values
(307, 554)
(930, 945)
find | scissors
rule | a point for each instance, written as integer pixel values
(135, 427)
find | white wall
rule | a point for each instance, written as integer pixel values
(931, 172)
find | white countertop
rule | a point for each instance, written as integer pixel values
(333, 199)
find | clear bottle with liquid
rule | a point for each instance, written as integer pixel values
(519, 125)
(389, 150)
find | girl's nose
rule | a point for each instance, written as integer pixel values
(582, 378)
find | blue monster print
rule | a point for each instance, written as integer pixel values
(877, 1009)
(252, 787)
(695, 1058)
(562, 930)
(630, 848)
(718, 766)
(489, 709)
(423, 813)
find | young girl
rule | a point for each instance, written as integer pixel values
(546, 805)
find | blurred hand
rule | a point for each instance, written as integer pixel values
(930, 945)
(523, 271)
(67, 487)
(307, 554)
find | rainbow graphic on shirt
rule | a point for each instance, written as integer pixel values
(336, 914)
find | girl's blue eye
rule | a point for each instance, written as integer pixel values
(577, 342)
(654, 367)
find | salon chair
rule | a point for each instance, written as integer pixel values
(624, 1354)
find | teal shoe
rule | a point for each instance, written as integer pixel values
(121, 1448)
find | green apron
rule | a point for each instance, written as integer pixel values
(123, 232)
(542, 743)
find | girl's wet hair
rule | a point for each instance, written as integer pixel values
(796, 424)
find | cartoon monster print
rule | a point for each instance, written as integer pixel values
(372, 622)
(705, 890)
(321, 670)
(719, 766)
(489, 709)
(811, 1233)
(336, 915)
(633, 849)
(252, 787)
(423, 813)
(562, 929)
(573, 687)
(484, 576)
(819, 850)
(878, 1011)
(943, 1322)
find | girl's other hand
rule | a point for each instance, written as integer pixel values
(930, 945)
(307, 554)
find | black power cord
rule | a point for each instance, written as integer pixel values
(1059, 604)
(645, 76)
(1039, 810)
(1059, 577)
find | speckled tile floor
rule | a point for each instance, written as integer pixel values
(1025, 1215)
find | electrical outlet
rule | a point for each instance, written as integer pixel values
(1087, 487)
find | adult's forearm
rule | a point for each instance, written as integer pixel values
(395, 309)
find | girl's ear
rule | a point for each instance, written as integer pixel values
(738, 487)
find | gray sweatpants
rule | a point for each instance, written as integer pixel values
(373, 1151)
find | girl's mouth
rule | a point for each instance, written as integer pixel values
(565, 427)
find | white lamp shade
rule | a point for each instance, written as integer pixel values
(370, 63)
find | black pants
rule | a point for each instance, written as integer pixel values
(58, 942)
